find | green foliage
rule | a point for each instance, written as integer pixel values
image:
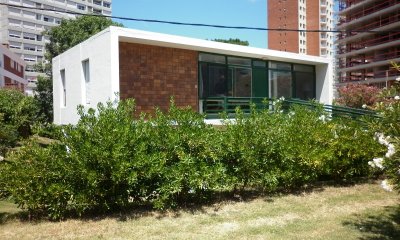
(17, 113)
(72, 32)
(388, 132)
(44, 98)
(352, 147)
(236, 41)
(111, 159)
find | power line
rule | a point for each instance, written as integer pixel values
(202, 24)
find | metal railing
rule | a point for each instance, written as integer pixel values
(214, 106)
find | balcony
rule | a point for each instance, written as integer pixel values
(376, 7)
(381, 22)
(365, 76)
(378, 40)
(362, 60)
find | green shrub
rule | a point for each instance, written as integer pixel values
(110, 160)
(17, 113)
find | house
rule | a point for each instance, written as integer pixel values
(152, 67)
(12, 69)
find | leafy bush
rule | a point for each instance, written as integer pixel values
(357, 95)
(387, 132)
(111, 160)
(17, 113)
(289, 149)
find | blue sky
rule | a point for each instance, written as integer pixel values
(251, 13)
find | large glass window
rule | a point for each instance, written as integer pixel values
(240, 82)
(292, 80)
(228, 76)
(280, 84)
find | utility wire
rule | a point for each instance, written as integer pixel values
(202, 24)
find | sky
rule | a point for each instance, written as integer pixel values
(247, 13)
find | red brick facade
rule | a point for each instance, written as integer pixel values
(313, 23)
(13, 67)
(152, 74)
(283, 14)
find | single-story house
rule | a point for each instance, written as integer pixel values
(119, 63)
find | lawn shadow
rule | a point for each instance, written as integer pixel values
(6, 217)
(374, 226)
(213, 204)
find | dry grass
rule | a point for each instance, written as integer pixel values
(362, 211)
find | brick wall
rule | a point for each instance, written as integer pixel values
(283, 14)
(313, 23)
(152, 74)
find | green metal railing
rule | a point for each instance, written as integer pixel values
(214, 106)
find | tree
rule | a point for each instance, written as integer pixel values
(236, 41)
(44, 98)
(17, 114)
(63, 37)
(72, 32)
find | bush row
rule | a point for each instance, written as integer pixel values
(111, 160)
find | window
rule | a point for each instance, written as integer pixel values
(281, 83)
(86, 78)
(204, 57)
(106, 4)
(29, 48)
(221, 78)
(299, 83)
(29, 36)
(63, 89)
(81, 7)
(14, 34)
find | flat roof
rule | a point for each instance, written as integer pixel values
(174, 41)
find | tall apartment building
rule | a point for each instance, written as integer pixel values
(364, 57)
(302, 15)
(21, 28)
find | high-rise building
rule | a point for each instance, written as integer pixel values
(21, 28)
(364, 57)
(301, 15)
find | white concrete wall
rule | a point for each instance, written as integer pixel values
(103, 60)
(324, 80)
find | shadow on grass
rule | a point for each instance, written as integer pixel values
(380, 225)
(193, 205)
(20, 216)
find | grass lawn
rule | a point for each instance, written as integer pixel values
(362, 211)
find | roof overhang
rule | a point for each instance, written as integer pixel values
(173, 41)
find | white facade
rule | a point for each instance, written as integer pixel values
(326, 23)
(21, 28)
(70, 88)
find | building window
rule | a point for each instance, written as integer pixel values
(292, 80)
(106, 4)
(63, 89)
(81, 7)
(86, 78)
